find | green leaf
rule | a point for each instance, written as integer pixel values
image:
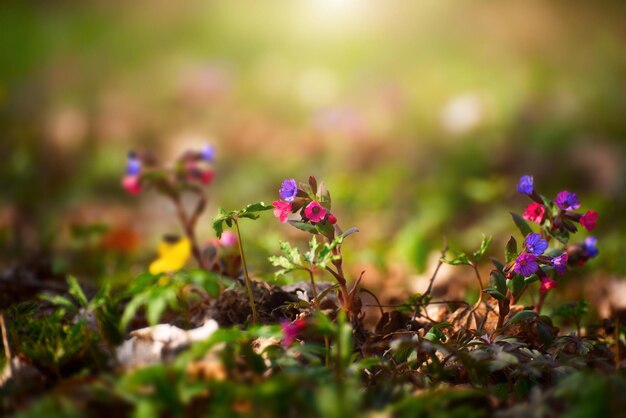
(303, 226)
(495, 293)
(516, 284)
(256, 207)
(498, 281)
(521, 316)
(460, 259)
(218, 227)
(521, 224)
(155, 309)
(76, 291)
(484, 246)
(510, 253)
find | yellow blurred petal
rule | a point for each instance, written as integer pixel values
(172, 256)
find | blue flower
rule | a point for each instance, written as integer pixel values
(535, 244)
(525, 185)
(288, 190)
(208, 153)
(590, 246)
(133, 164)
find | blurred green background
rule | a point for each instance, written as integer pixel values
(420, 117)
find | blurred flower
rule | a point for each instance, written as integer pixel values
(462, 113)
(526, 264)
(567, 201)
(132, 184)
(208, 153)
(534, 212)
(206, 176)
(173, 254)
(560, 263)
(228, 239)
(288, 190)
(588, 220)
(535, 244)
(590, 246)
(282, 210)
(133, 165)
(547, 283)
(332, 219)
(315, 212)
(291, 330)
(525, 185)
(122, 239)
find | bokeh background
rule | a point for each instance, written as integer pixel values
(420, 117)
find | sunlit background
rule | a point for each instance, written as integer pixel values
(420, 117)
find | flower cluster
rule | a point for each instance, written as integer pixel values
(191, 167)
(312, 203)
(532, 261)
(557, 220)
(131, 182)
(557, 215)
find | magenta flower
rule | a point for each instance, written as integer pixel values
(534, 212)
(332, 219)
(282, 210)
(525, 185)
(132, 184)
(547, 283)
(535, 244)
(526, 264)
(567, 201)
(288, 190)
(560, 263)
(589, 219)
(315, 212)
(291, 330)
(228, 239)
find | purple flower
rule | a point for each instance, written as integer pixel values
(590, 246)
(133, 164)
(567, 201)
(526, 264)
(560, 263)
(288, 190)
(525, 185)
(208, 153)
(535, 244)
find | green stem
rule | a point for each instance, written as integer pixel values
(313, 290)
(245, 273)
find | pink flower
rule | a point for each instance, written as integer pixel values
(132, 184)
(315, 212)
(228, 239)
(546, 284)
(291, 330)
(282, 210)
(534, 212)
(588, 220)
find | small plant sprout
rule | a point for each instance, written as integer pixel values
(307, 207)
(231, 219)
(191, 172)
